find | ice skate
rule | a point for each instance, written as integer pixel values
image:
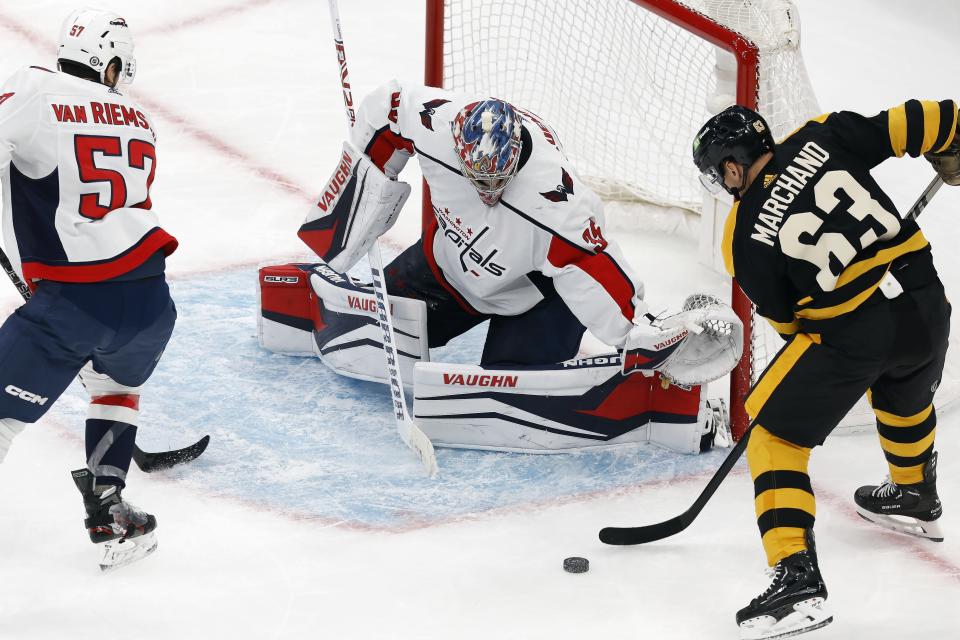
(794, 603)
(913, 509)
(124, 533)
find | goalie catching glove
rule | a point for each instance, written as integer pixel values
(700, 344)
(358, 205)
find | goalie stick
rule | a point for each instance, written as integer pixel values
(148, 462)
(412, 435)
(673, 526)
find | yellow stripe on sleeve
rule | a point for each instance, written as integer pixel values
(931, 124)
(897, 126)
(953, 131)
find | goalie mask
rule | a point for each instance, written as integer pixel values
(737, 134)
(93, 38)
(486, 138)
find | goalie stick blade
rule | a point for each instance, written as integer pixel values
(417, 440)
(623, 536)
(150, 462)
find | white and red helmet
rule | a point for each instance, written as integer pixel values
(94, 37)
(486, 137)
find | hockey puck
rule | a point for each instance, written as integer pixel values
(576, 565)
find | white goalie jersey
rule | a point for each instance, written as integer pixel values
(493, 258)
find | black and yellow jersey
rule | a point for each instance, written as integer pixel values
(814, 234)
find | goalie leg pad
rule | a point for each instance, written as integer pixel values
(288, 309)
(310, 309)
(358, 205)
(579, 404)
(348, 337)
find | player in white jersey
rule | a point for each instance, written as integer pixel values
(515, 238)
(77, 159)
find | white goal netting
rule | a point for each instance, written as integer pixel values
(627, 89)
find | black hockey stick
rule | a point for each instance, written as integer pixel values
(673, 526)
(148, 462)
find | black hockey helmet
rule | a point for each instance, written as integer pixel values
(737, 134)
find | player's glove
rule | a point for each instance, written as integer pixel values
(947, 162)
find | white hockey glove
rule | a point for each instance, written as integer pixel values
(358, 205)
(702, 343)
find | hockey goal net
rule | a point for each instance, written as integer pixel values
(627, 84)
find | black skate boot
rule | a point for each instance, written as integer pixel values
(913, 509)
(794, 603)
(125, 532)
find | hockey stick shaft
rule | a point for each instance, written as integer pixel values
(412, 435)
(925, 198)
(673, 526)
(147, 462)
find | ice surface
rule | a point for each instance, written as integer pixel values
(307, 517)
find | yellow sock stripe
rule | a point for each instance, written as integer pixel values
(785, 499)
(897, 127)
(782, 542)
(776, 372)
(906, 475)
(892, 420)
(908, 449)
(767, 452)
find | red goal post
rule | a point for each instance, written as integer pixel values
(746, 53)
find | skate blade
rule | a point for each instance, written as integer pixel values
(120, 553)
(904, 524)
(807, 615)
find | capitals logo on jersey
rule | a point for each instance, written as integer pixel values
(429, 109)
(560, 193)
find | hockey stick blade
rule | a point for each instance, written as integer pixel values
(673, 526)
(150, 462)
(623, 536)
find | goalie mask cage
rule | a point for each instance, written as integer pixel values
(627, 84)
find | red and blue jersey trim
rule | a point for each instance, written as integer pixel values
(154, 240)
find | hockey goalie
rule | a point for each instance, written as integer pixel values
(516, 240)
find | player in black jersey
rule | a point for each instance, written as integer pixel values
(821, 251)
